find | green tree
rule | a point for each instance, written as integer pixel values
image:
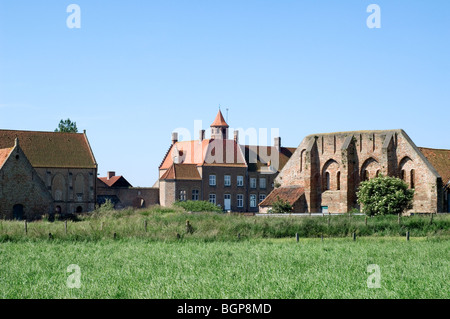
(281, 206)
(384, 195)
(67, 126)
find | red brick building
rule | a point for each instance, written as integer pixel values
(325, 171)
(220, 170)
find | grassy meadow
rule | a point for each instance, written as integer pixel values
(271, 268)
(147, 259)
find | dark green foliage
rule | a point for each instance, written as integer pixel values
(198, 206)
(67, 126)
(384, 195)
(281, 206)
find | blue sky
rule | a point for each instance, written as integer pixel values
(137, 70)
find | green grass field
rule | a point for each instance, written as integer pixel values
(212, 262)
(266, 268)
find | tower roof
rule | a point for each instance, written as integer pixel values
(219, 121)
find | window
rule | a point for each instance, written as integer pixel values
(212, 198)
(227, 180)
(212, 180)
(240, 200)
(338, 181)
(240, 180)
(327, 181)
(262, 197)
(262, 183)
(252, 182)
(411, 179)
(366, 175)
(195, 193)
(252, 200)
(182, 195)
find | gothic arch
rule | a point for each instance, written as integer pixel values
(330, 176)
(79, 186)
(59, 188)
(369, 169)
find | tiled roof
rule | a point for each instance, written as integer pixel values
(115, 181)
(262, 156)
(440, 159)
(182, 172)
(4, 153)
(207, 152)
(290, 194)
(219, 121)
(52, 149)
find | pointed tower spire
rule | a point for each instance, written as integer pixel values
(219, 128)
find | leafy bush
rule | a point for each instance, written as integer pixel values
(198, 206)
(384, 195)
(281, 206)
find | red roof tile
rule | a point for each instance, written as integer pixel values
(289, 194)
(4, 153)
(182, 172)
(207, 152)
(219, 121)
(115, 181)
(440, 159)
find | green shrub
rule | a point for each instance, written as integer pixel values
(281, 206)
(384, 195)
(198, 206)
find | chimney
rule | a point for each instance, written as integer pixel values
(277, 143)
(174, 137)
(201, 135)
(236, 136)
(111, 174)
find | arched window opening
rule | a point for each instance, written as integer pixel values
(412, 177)
(327, 181)
(402, 174)
(366, 175)
(338, 181)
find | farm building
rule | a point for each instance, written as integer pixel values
(45, 173)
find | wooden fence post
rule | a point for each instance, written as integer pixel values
(365, 220)
(354, 236)
(145, 225)
(65, 226)
(297, 237)
(115, 235)
(26, 227)
(407, 236)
